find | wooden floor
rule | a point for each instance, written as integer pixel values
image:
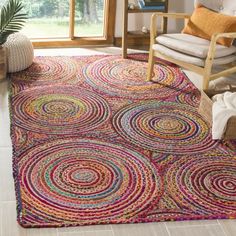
(9, 226)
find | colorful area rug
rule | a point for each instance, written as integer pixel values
(96, 144)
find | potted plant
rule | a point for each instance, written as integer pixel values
(11, 21)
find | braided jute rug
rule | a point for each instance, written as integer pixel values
(94, 143)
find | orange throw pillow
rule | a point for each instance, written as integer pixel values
(204, 23)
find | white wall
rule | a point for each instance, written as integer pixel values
(136, 21)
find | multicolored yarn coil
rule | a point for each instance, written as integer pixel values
(116, 78)
(84, 180)
(93, 143)
(60, 110)
(164, 127)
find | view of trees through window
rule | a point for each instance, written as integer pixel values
(50, 18)
(90, 15)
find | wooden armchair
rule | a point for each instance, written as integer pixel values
(183, 49)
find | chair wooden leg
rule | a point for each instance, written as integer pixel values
(207, 71)
(205, 82)
(151, 62)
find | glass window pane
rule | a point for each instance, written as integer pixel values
(47, 18)
(89, 17)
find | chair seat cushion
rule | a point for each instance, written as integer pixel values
(191, 59)
(193, 45)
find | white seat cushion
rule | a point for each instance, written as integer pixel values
(193, 45)
(190, 59)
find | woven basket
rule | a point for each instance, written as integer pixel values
(205, 109)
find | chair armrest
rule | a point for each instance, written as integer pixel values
(224, 35)
(153, 27)
(214, 38)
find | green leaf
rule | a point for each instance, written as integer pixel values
(11, 19)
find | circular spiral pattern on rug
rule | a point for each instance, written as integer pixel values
(165, 127)
(61, 69)
(191, 98)
(119, 77)
(59, 110)
(207, 182)
(92, 180)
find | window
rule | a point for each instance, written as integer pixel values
(89, 17)
(47, 18)
(69, 20)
